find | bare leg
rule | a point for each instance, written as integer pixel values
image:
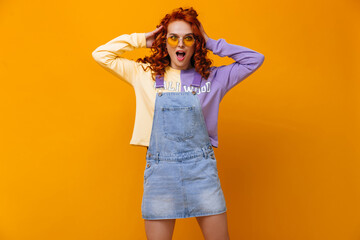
(214, 227)
(159, 229)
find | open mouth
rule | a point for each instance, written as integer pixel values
(180, 55)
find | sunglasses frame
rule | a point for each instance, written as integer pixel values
(182, 39)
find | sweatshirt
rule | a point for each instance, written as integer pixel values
(211, 91)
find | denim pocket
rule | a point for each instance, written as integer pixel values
(149, 169)
(211, 169)
(178, 122)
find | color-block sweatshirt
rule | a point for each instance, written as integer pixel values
(210, 93)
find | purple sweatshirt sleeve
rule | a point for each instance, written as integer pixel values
(246, 62)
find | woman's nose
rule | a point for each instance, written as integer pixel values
(181, 43)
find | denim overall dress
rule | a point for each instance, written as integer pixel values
(180, 177)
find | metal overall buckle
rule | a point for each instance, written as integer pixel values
(160, 91)
(194, 90)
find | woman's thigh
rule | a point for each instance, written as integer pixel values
(214, 226)
(159, 229)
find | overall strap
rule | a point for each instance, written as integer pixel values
(197, 79)
(159, 81)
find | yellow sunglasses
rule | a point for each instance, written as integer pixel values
(187, 40)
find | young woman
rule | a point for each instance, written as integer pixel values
(177, 105)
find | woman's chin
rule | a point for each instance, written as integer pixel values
(184, 62)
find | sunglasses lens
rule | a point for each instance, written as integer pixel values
(189, 41)
(173, 41)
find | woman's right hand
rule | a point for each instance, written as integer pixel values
(150, 36)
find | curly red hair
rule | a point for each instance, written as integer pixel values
(160, 58)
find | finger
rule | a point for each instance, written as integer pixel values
(158, 29)
(155, 31)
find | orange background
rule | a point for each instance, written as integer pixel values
(288, 155)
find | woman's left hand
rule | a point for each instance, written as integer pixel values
(203, 32)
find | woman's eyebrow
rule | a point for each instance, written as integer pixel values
(184, 35)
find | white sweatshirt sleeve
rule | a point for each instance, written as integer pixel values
(109, 56)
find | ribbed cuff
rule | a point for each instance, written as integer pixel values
(210, 44)
(141, 40)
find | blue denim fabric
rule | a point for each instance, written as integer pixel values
(180, 177)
